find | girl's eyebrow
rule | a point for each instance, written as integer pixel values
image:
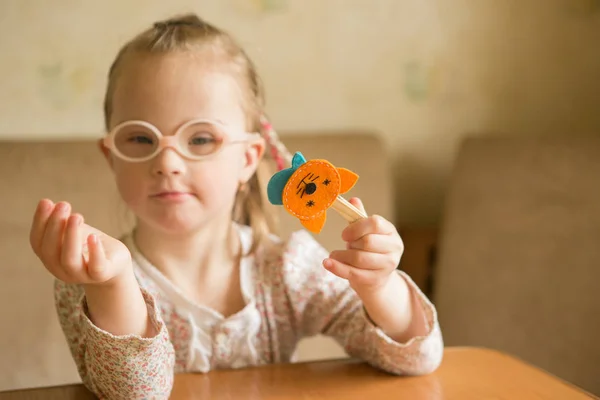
(206, 118)
(220, 121)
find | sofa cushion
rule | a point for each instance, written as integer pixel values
(519, 262)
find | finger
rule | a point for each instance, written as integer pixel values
(360, 259)
(52, 239)
(374, 243)
(38, 226)
(374, 224)
(71, 255)
(96, 267)
(356, 202)
(348, 272)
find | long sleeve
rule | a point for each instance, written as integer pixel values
(324, 303)
(116, 367)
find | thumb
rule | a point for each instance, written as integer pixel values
(356, 202)
(96, 266)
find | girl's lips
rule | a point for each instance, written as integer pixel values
(172, 196)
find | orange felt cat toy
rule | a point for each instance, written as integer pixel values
(309, 188)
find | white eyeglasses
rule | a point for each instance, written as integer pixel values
(199, 139)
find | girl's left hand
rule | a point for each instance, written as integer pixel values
(372, 254)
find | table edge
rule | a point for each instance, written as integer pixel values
(353, 360)
(524, 362)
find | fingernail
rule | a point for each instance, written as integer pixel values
(327, 263)
(94, 239)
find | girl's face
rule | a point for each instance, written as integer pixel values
(169, 192)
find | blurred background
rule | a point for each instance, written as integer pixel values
(422, 74)
(474, 125)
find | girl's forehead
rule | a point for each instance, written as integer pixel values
(176, 88)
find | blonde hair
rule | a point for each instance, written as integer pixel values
(190, 33)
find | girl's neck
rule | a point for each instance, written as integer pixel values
(200, 255)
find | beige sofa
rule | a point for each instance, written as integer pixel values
(33, 351)
(518, 267)
(519, 260)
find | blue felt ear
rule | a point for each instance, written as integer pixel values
(279, 180)
(297, 160)
(276, 185)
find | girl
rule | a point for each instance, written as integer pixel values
(200, 283)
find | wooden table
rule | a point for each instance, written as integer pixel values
(466, 373)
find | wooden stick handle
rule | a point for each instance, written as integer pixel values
(347, 210)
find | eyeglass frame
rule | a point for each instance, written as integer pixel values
(172, 142)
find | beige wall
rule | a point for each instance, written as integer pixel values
(422, 73)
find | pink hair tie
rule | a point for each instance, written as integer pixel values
(278, 150)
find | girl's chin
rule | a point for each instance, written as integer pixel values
(182, 223)
(178, 224)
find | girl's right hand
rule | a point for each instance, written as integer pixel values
(73, 251)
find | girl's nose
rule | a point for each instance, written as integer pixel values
(168, 162)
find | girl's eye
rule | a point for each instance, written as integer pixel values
(202, 140)
(140, 139)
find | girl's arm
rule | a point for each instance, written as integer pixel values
(396, 309)
(118, 307)
(321, 302)
(114, 366)
(114, 331)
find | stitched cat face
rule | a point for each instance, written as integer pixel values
(309, 188)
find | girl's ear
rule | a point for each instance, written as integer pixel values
(106, 152)
(252, 156)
